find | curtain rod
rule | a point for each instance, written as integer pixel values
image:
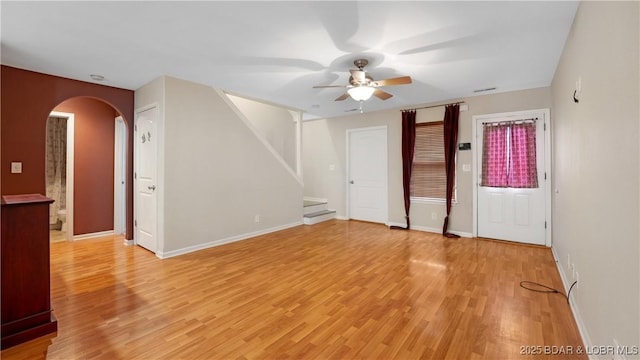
(434, 106)
(521, 121)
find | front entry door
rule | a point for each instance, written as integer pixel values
(146, 142)
(367, 174)
(513, 214)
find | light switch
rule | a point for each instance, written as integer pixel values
(466, 167)
(16, 167)
(332, 167)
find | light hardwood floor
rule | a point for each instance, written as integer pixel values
(57, 235)
(339, 289)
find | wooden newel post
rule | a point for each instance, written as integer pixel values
(26, 288)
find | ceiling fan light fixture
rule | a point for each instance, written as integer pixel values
(361, 93)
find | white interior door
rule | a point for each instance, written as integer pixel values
(146, 143)
(513, 214)
(367, 174)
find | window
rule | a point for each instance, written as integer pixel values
(428, 176)
(509, 155)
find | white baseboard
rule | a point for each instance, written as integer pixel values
(189, 249)
(129, 242)
(430, 229)
(574, 307)
(93, 235)
(340, 217)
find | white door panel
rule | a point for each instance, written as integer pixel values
(368, 174)
(146, 176)
(509, 213)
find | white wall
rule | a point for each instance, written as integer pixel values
(324, 145)
(217, 174)
(596, 157)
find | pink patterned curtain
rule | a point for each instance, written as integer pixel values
(509, 155)
(494, 155)
(523, 172)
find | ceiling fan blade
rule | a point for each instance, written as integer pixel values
(328, 86)
(358, 75)
(342, 97)
(382, 95)
(402, 80)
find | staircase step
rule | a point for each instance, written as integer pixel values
(314, 206)
(319, 216)
(311, 202)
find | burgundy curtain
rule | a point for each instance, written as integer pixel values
(408, 144)
(450, 143)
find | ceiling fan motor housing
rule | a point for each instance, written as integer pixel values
(360, 63)
(368, 81)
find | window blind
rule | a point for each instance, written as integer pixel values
(428, 176)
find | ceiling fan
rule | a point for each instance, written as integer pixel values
(362, 86)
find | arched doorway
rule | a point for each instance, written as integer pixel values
(96, 179)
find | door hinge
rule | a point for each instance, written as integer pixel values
(135, 223)
(135, 175)
(545, 224)
(135, 127)
(544, 126)
(545, 176)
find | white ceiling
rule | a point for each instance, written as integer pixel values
(276, 51)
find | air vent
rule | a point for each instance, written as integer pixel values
(483, 90)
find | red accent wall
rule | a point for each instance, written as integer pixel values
(26, 100)
(93, 163)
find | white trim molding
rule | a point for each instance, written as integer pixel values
(70, 165)
(94, 235)
(431, 229)
(572, 304)
(210, 244)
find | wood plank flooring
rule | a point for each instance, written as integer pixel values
(335, 290)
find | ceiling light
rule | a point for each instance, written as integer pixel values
(361, 93)
(96, 77)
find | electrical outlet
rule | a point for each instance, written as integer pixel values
(256, 218)
(433, 216)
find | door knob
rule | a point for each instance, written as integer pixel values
(350, 181)
(152, 187)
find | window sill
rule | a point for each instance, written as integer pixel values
(431, 201)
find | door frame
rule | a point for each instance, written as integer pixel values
(478, 119)
(119, 177)
(70, 167)
(348, 167)
(159, 179)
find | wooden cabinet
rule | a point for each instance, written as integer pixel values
(26, 288)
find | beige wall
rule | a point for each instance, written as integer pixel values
(277, 125)
(324, 145)
(217, 174)
(595, 173)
